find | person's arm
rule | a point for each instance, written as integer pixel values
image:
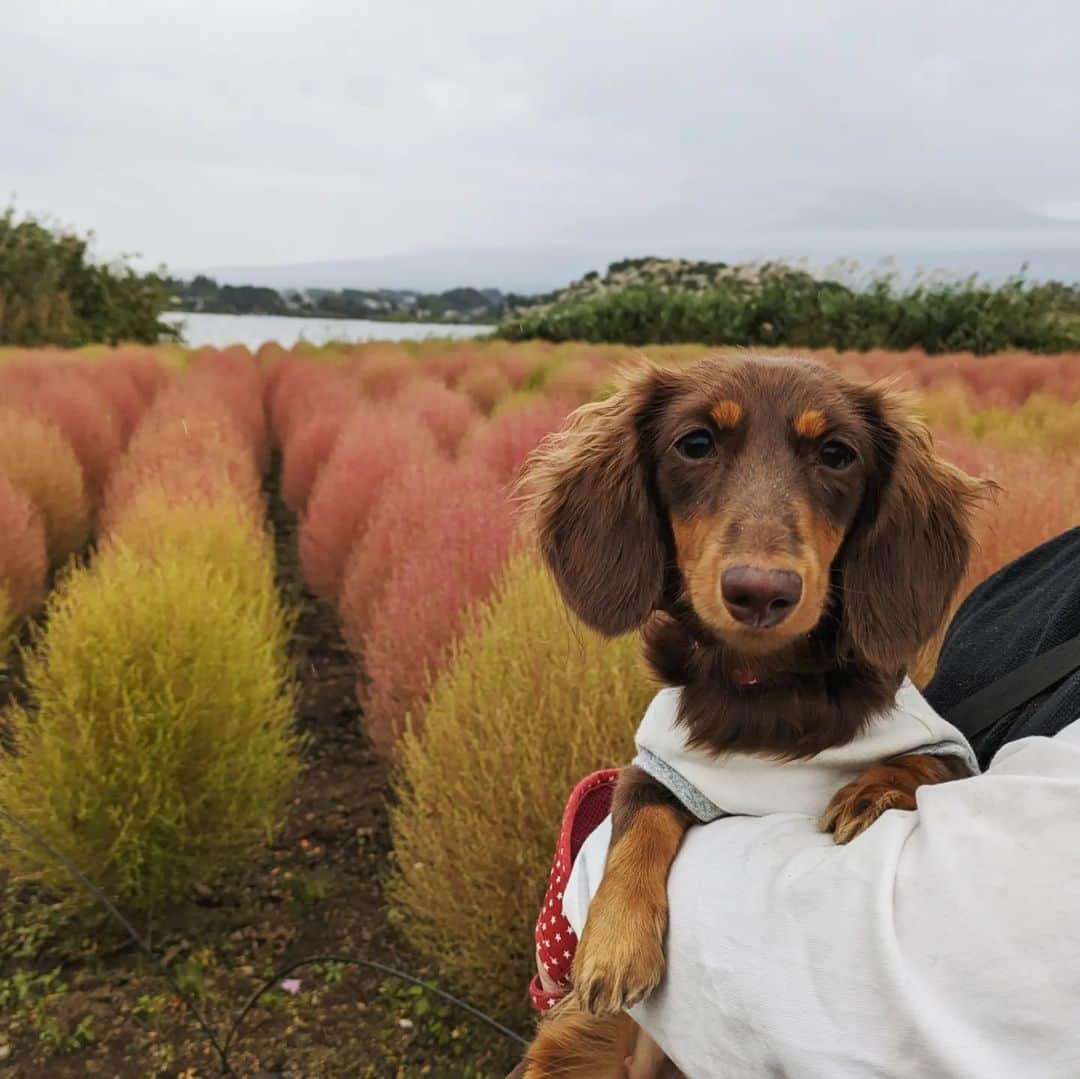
(944, 942)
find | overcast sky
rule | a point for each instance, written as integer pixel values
(237, 132)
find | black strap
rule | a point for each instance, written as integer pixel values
(995, 701)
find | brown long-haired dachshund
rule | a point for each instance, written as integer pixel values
(787, 540)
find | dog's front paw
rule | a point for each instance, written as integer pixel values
(620, 959)
(857, 805)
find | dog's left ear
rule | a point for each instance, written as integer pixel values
(909, 548)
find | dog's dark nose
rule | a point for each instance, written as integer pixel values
(760, 597)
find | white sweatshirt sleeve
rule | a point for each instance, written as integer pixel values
(943, 942)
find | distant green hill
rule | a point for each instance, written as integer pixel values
(659, 301)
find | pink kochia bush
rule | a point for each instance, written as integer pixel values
(298, 390)
(376, 444)
(423, 493)
(383, 370)
(305, 453)
(190, 446)
(485, 384)
(425, 604)
(23, 558)
(93, 405)
(312, 431)
(1039, 499)
(502, 444)
(447, 413)
(234, 377)
(74, 404)
(129, 380)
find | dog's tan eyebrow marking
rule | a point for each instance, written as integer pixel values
(811, 423)
(727, 413)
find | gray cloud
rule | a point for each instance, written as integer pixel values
(248, 132)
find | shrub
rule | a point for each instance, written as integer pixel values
(23, 559)
(518, 365)
(502, 444)
(40, 463)
(305, 452)
(383, 371)
(188, 446)
(198, 462)
(9, 620)
(116, 383)
(449, 363)
(574, 383)
(423, 607)
(529, 704)
(418, 501)
(143, 366)
(373, 447)
(71, 402)
(220, 535)
(447, 413)
(1039, 498)
(485, 385)
(161, 748)
(232, 376)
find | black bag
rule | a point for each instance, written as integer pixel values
(1010, 662)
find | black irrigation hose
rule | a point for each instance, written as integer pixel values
(371, 964)
(128, 928)
(223, 1050)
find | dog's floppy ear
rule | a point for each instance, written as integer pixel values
(589, 489)
(910, 546)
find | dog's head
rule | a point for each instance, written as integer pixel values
(765, 494)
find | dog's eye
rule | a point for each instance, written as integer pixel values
(837, 456)
(696, 445)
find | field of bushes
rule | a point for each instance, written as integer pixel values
(281, 676)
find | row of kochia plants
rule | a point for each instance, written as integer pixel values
(157, 742)
(157, 745)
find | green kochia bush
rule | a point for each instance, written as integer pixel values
(531, 703)
(161, 747)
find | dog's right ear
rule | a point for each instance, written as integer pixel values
(589, 491)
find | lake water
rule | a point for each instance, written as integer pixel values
(255, 330)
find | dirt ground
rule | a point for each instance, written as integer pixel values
(75, 1002)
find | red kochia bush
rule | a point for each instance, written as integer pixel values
(143, 368)
(189, 445)
(485, 385)
(448, 414)
(23, 558)
(117, 385)
(424, 606)
(421, 495)
(375, 445)
(517, 365)
(1039, 498)
(305, 452)
(502, 444)
(303, 389)
(72, 402)
(448, 365)
(234, 377)
(383, 371)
